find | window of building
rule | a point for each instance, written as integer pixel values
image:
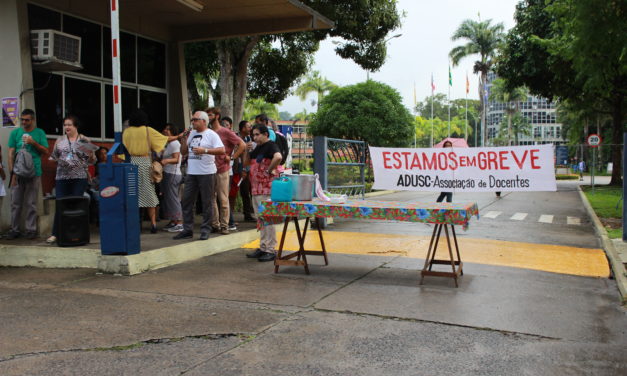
(536, 132)
(129, 104)
(48, 102)
(82, 98)
(155, 105)
(127, 55)
(87, 93)
(91, 43)
(151, 60)
(42, 18)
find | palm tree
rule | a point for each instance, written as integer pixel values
(314, 83)
(511, 98)
(256, 106)
(483, 39)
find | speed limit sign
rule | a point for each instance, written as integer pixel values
(594, 140)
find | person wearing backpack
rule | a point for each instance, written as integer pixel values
(26, 146)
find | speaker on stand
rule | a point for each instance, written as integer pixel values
(73, 212)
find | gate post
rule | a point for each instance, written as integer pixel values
(320, 166)
(624, 186)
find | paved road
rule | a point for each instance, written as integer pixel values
(228, 315)
(535, 217)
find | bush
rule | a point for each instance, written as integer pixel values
(566, 177)
(370, 111)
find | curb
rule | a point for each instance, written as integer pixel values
(378, 193)
(57, 257)
(616, 264)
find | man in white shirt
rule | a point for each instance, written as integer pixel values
(202, 145)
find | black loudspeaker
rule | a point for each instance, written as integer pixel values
(73, 217)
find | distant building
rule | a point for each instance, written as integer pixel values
(302, 144)
(538, 111)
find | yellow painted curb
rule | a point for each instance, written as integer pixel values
(544, 257)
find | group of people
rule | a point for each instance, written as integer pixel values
(209, 160)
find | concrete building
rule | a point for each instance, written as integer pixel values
(540, 113)
(153, 33)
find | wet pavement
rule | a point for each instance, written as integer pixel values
(362, 314)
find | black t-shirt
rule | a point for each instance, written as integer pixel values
(264, 151)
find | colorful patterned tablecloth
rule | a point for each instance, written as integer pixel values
(431, 212)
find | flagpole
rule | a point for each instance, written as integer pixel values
(432, 90)
(466, 117)
(450, 82)
(414, 114)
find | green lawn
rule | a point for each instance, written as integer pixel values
(608, 206)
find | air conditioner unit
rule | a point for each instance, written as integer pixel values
(53, 50)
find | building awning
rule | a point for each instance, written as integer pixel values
(194, 20)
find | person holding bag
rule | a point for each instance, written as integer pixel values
(141, 141)
(72, 164)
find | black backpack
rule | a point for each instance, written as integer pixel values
(281, 142)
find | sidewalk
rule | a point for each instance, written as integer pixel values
(615, 250)
(157, 250)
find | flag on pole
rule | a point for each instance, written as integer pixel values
(432, 84)
(450, 77)
(467, 84)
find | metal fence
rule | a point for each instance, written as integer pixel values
(341, 165)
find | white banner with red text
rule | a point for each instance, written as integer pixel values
(511, 168)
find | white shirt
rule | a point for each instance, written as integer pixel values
(173, 147)
(202, 164)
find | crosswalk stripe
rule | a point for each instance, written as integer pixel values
(573, 221)
(492, 214)
(545, 218)
(519, 216)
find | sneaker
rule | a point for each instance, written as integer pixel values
(215, 230)
(233, 228)
(51, 239)
(168, 226)
(255, 254)
(175, 228)
(266, 257)
(12, 235)
(183, 235)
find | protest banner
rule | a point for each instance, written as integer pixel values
(512, 168)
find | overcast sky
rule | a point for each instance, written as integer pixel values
(422, 49)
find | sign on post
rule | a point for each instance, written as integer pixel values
(594, 140)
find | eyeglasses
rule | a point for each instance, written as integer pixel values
(196, 119)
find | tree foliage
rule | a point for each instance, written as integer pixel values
(424, 126)
(440, 107)
(256, 106)
(267, 67)
(482, 38)
(370, 111)
(314, 83)
(575, 51)
(512, 97)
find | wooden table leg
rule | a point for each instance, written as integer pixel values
(324, 249)
(301, 254)
(431, 260)
(280, 251)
